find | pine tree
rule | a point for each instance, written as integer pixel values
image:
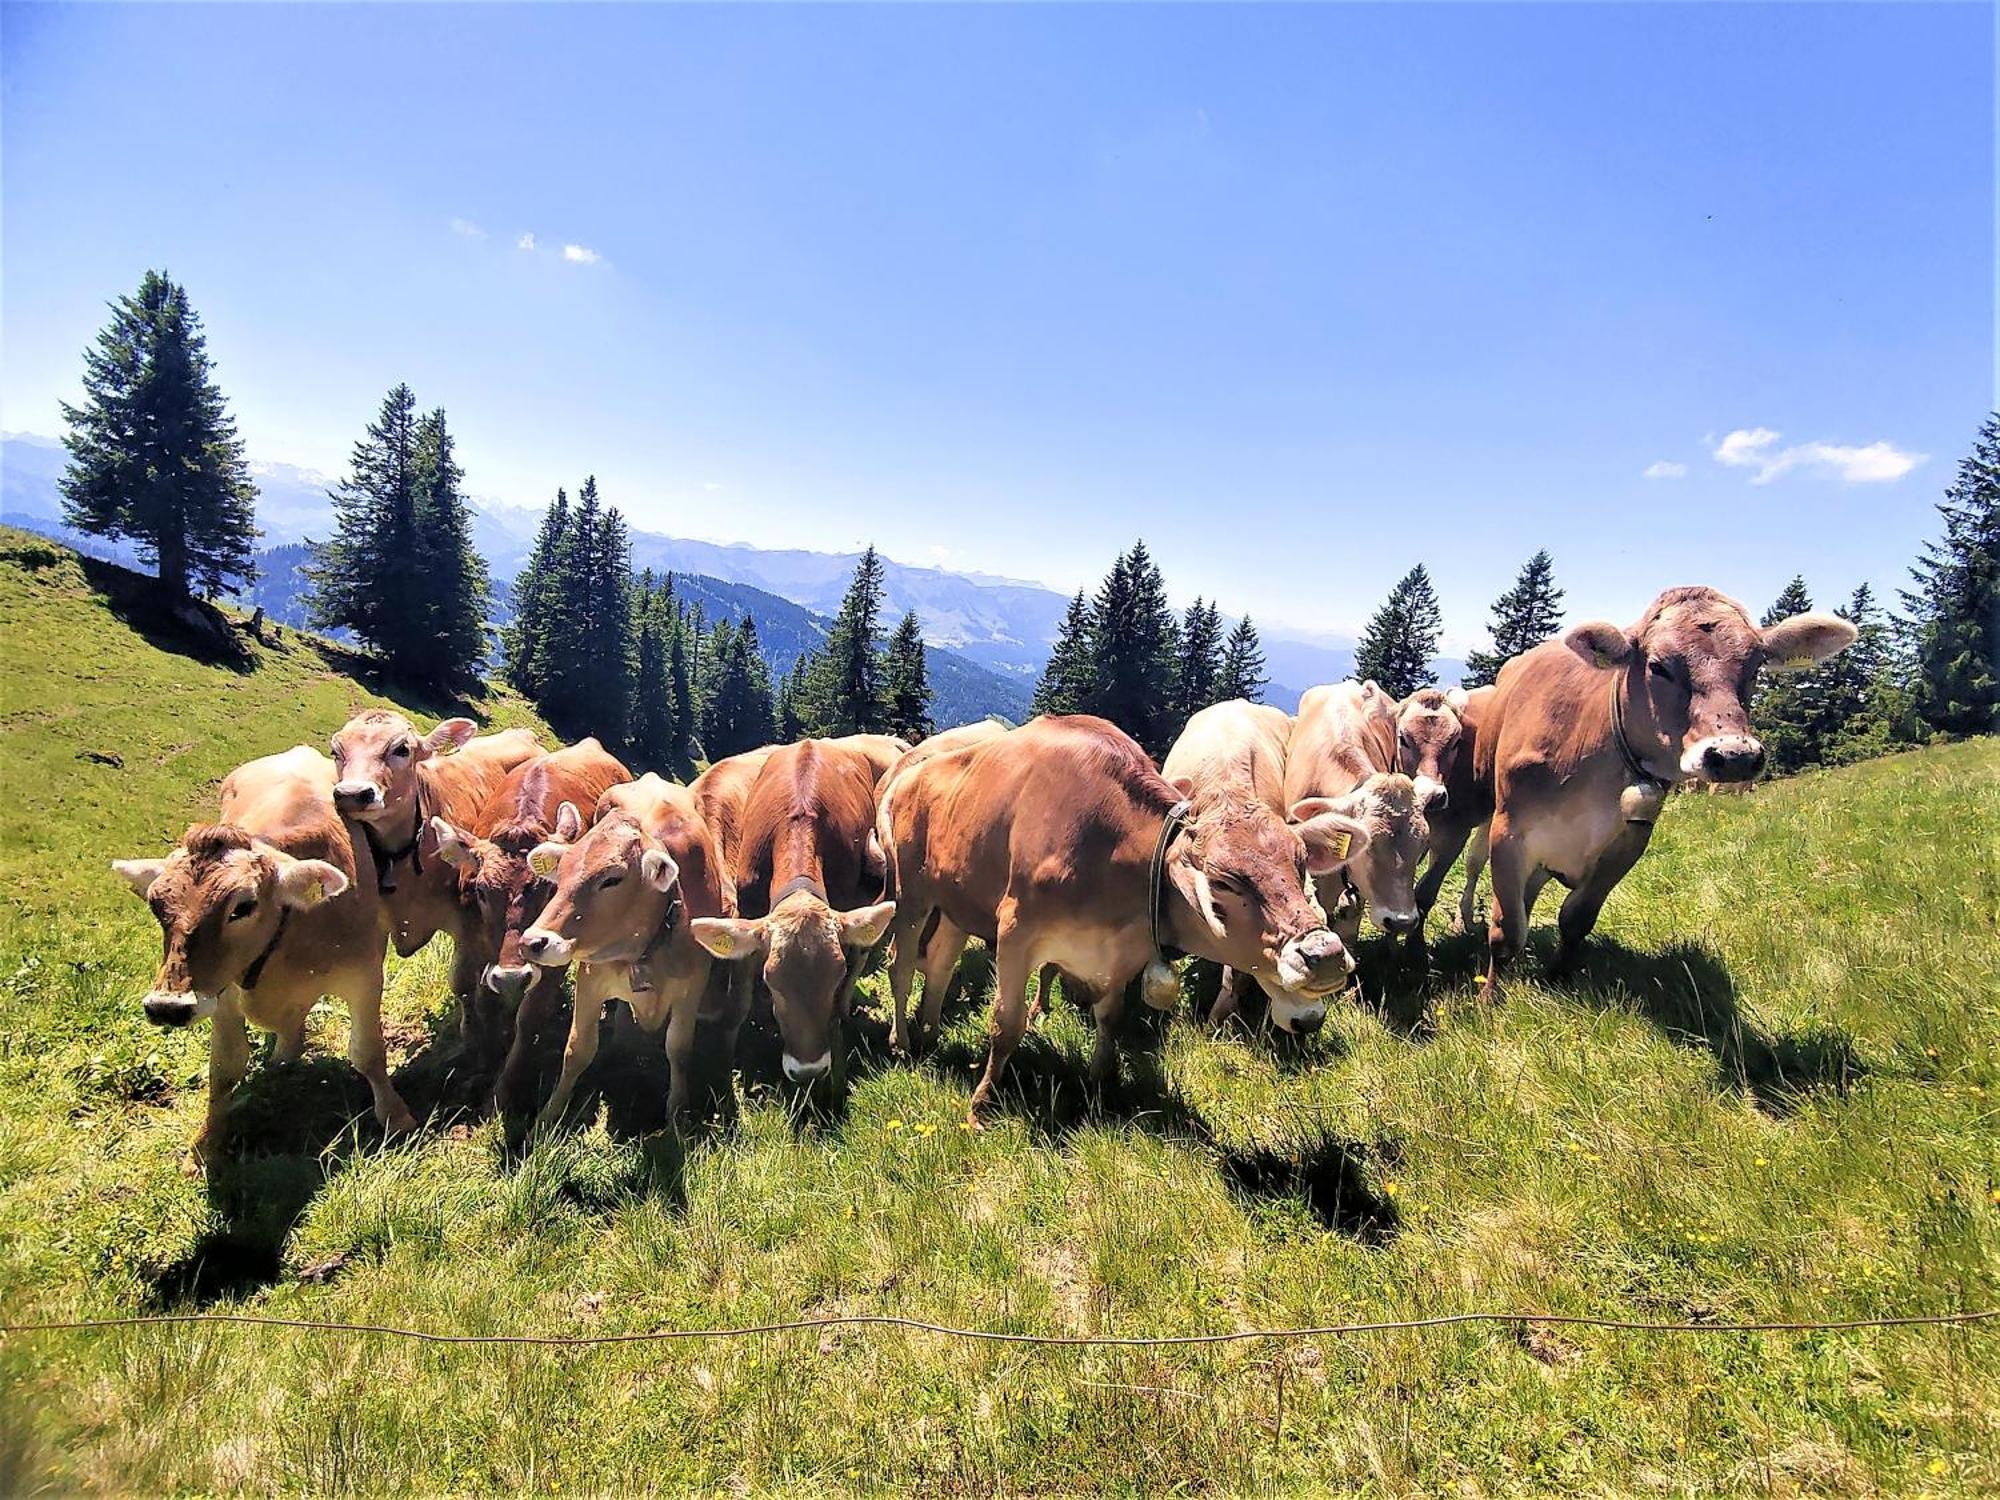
(1134, 650)
(651, 730)
(716, 645)
(1954, 603)
(368, 577)
(1869, 708)
(154, 454)
(604, 664)
(457, 591)
(1200, 663)
(738, 715)
(1525, 616)
(1241, 674)
(791, 725)
(682, 726)
(906, 682)
(1397, 647)
(535, 587)
(1789, 712)
(1067, 681)
(846, 692)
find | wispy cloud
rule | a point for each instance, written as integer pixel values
(1756, 448)
(467, 228)
(581, 255)
(525, 242)
(1664, 468)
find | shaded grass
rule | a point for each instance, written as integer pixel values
(1767, 1094)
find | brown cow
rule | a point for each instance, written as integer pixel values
(808, 875)
(882, 750)
(1042, 842)
(502, 897)
(1234, 752)
(624, 895)
(263, 913)
(1585, 734)
(720, 793)
(1434, 738)
(1344, 749)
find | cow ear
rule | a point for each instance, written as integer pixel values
(454, 844)
(569, 823)
(1183, 787)
(864, 928)
(729, 937)
(1332, 837)
(1192, 882)
(1806, 640)
(659, 869)
(450, 735)
(139, 873)
(1600, 643)
(1455, 699)
(307, 882)
(544, 859)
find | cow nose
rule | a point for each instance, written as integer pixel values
(1732, 758)
(1322, 951)
(534, 943)
(169, 1010)
(1432, 795)
(509, 983)
(356, 796)
(1308, 1022)
(806, 1072)
(1397, 923)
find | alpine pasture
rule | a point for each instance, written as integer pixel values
(1769, 1095)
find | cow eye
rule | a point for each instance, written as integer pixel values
(242, 908)
(1660, 669)
(402, 750)
(609, 881)
(334, 749)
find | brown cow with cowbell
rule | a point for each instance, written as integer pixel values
(1584, 736)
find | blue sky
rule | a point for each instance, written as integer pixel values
(1302, 294)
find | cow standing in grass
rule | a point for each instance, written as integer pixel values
(1435, 734)
(720, 793)
(503, 896)
(1585, 735)
(261, 914)
(625, 894)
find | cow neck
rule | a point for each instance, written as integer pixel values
(412, 850)
(256, 970)
(1633, 762)
(1156, 873)
(796, 884)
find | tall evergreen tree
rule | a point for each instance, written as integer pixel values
(716, 644)
(1200, 662)
(1067, 681)
(1526, 615)
(1397, 647)
(535, 590)
(1789, 712)
(368, 577)
(1134, 650)
(604, 646)
(739, 715)
(651, 730)
(846, 694)
(791, 724)
(1869, 706)
(153, 451)
(457, 591)
(1241, 674)
(906, 682)
(1954, 600)
(682, 726)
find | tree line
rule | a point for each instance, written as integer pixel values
(154, 457)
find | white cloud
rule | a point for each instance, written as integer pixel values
(581, 255)
(1664, 468)
(525, 242)
(467, 228)
(1879, 462)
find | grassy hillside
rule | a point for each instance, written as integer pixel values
(1771, 1095)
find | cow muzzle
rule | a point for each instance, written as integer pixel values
(1396, 923)
(510, 982)
(1723, 757)
(546, 948)
(164, 1008)
(1316, 964)
(1297, 1015)
(1432, 796)
(807, 1072)
(357, 798)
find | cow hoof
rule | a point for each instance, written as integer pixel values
(193, 1164)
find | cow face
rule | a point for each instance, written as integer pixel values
(808, 953)
(1692, 664)
(1246, 873)
(219, 899)
(501, 894)
(611, 891)
(1385, 870)
(375, 760)
(1427, 737)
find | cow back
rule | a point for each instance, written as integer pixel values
(808, 816)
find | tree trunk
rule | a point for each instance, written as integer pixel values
(173, 564)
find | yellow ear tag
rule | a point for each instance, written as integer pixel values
(1343, 841)
(1604, 659)
(1796, 662)
(315, 893)
(724, 945)
(543, 863)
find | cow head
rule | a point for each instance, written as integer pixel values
(1385, 869)
(1428, 730)
(612, 888)
(375, 760)
(808, 953)
(1246, 874)
(219, 898)
(501, 893)
(1691, 665)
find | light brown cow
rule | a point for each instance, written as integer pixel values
(1344, 749)
(624, 895)
(721, 792)
(1436, 733)
(1042, 842)
(261, 914)
(808, 877)
(1234, 753)
(502, 896)
(882, 750)
(1585, 734)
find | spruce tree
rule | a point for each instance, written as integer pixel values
(1397, 647)
(1526, 615)
(1789, 712)
(1241, 674)
(368, 577)
(604, 645)
(153, 451)
(738, 715)
(682, 727)
(651, 730)
(846, 694)
(1868, 704)
(1134, 649)
(1067, 681)
(1200, 665)
(791, 725)
(1954, 601)
(715, 648)
(525, 641)
(456, 590)
(906, 682)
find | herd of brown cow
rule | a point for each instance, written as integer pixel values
(1259, 844)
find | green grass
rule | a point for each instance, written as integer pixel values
(1770, 1095)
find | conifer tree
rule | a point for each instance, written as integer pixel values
(535, 588)
(791, 726)
(906, 682)
(1067, 681)
(1526, 615)
(1397, 647)
(846, 694)
(604, 644)
(153, 451)
(1200, 666)
(716, 644)
(1134, 650)
(1241, 674)
(368, 576)
(1954, 600)
(455, 588)
(739, 713)
(1869, 706)
(682, 727)
(651, 730)
(1789, 712)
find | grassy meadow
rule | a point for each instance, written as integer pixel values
(1770, 1094)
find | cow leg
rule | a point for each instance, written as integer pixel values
(476, 1033)
(941, 956)
(290, 1044)
(581, 1048)
(228, 1062)
(1531, 892)
(1229, 999)
(365, 1049)
(1580, 908)
(1104, 1052)
(1468, 897)
(1507, 929)
(1444, 854)
(1011, 970)
(902, 971)
(536, 1007)
(681, 1024)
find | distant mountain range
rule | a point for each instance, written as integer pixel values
(990, 637)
